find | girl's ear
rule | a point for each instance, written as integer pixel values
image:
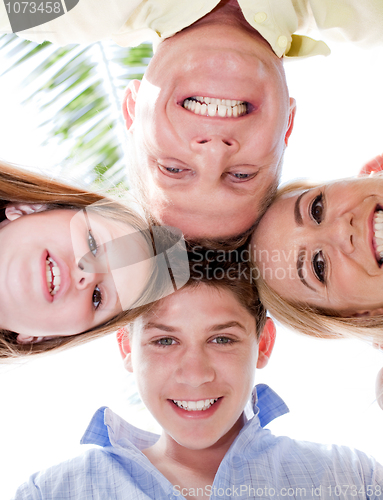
(125, 349)
(16, 210)
(374, 312)
(266, 343)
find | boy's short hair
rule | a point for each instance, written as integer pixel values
(226, 270)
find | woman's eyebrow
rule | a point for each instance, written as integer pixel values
(300, 264)
(297, 209)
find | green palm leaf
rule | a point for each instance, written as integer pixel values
(78, 90)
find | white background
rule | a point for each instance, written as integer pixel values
(328, 385)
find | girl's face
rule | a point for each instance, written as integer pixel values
(322, 246)
(43, 290)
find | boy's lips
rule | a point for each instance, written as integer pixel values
(191, 410)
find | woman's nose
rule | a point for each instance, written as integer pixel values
(340, 232)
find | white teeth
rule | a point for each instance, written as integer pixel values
(53, 276)
(201, 405)
(210, 106)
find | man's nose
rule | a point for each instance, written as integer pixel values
(218, 144)
(212, 156)
(194, 368)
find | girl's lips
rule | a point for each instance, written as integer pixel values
(370, 233)
(43, 274)
(196, 415)
(64, 275)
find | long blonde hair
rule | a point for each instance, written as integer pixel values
(17, 185)
(312, 320)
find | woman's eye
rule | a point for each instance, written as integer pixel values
(92, 243)
(165, 341)
(319, 267)
(317, 209)
(97, 297)
(222, 340)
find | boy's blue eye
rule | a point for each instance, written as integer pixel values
(97, 297)
(165, 341)
(222, 340)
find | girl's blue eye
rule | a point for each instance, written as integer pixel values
(97, 297)
(241, 176)
(92, 243)
(317, 209)
(319, 267)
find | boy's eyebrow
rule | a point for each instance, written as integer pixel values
(224, 326)
(215, 328)
(159, 326)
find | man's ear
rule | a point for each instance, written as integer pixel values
(266, 343)
(15, 210)
(129, 102)
(124, 346)
(372, 167)
(293, 109)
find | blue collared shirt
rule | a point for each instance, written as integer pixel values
(258, 465)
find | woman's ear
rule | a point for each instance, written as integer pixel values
(129, 102)
(372, 167)
(293, 109)
(28, 339)
(123, 341)
(374, 312)
(266, 343)
(15, 210)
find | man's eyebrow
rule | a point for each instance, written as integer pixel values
(224, 326)
(300, 263)
(297, 209)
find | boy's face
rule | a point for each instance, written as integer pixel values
(210, 175)
(199, 349)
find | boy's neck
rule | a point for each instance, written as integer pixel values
(191, 469)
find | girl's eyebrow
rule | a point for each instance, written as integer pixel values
(297, 209)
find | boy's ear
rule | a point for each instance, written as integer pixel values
(129, 102)
(266, 343)
(372, 167)
(293, 109)
(15, 210)
(124, 346)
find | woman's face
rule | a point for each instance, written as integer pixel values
(321, 246)
(43, 290)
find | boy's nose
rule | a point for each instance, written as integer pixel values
(194, 369)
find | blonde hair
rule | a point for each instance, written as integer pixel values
(311, 320)
(17, 185)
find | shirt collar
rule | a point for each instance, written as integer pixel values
(108, 429)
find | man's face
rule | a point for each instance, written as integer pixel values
(209, 175)
(194, 359)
